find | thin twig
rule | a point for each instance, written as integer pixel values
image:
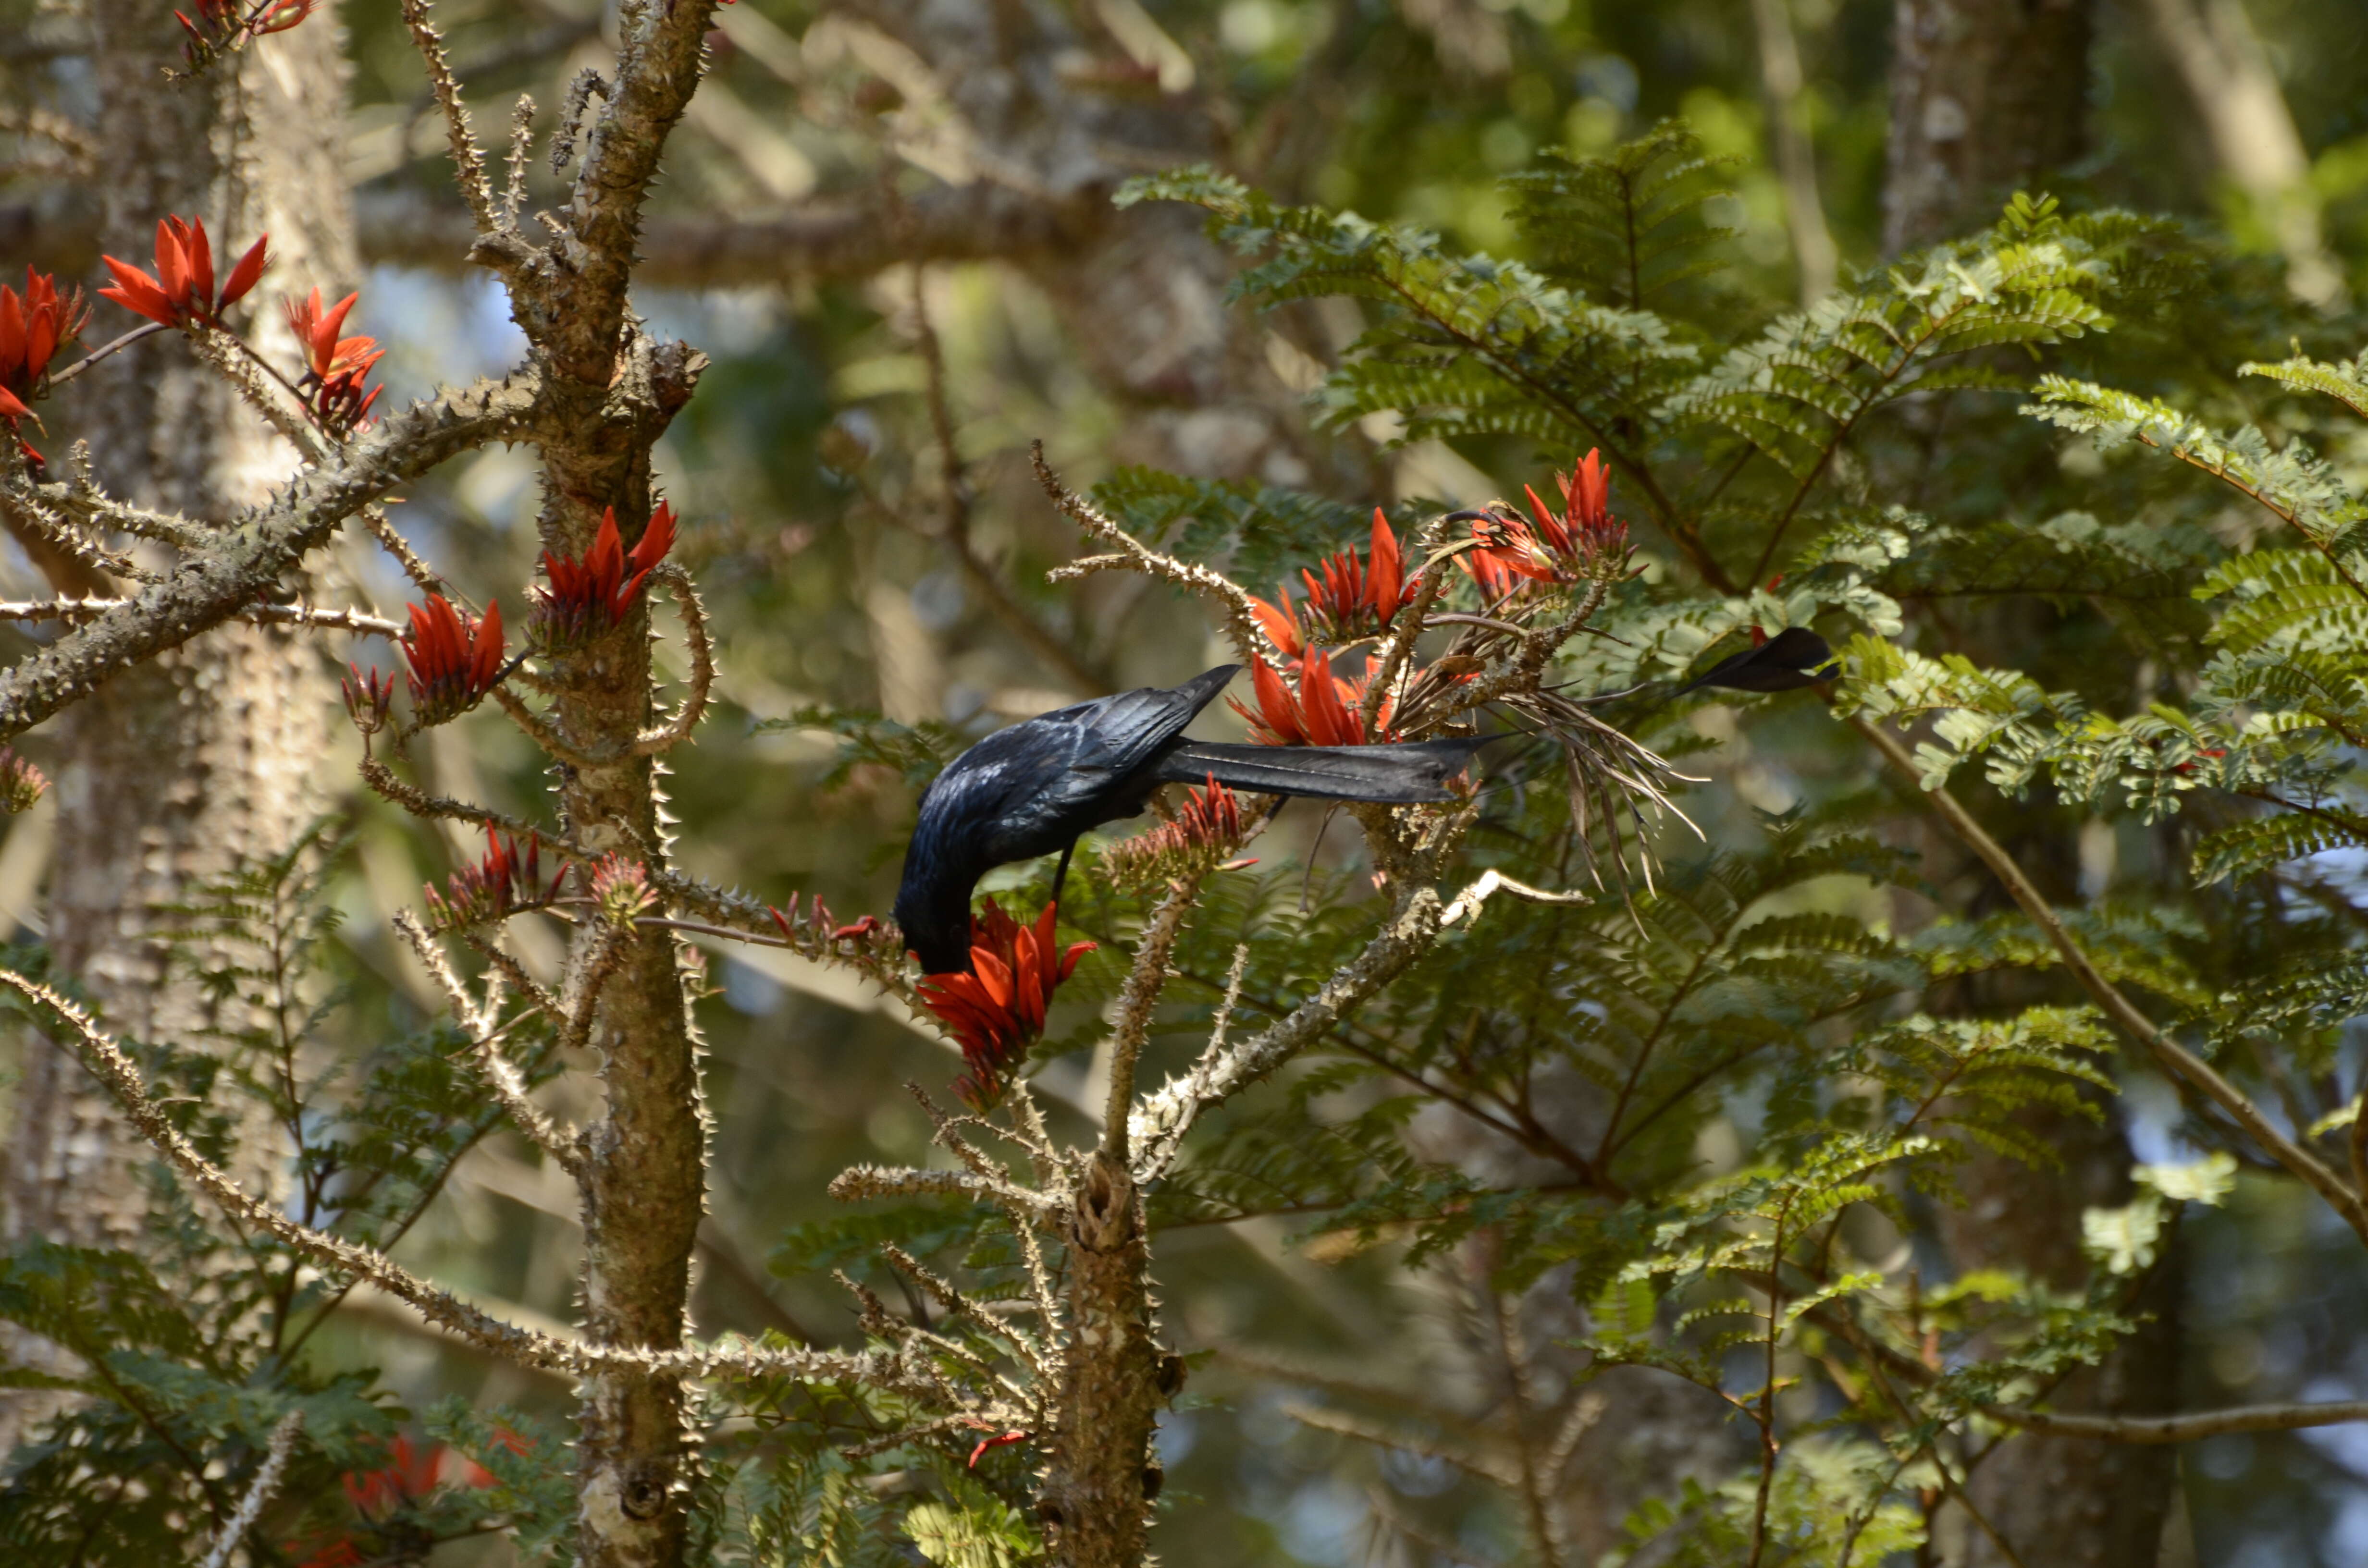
(468, 158)
(113, 345)
(500, 1076)
(2157, 1429)
(259, 1494)
(701, 648)
(73, 611)
(2174, 1058)
(1136, 999)
(381, 528)
(1241, 625)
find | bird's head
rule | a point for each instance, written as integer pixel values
(934, 913)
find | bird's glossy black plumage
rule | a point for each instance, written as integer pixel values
(1786, 661)
(1032, 788)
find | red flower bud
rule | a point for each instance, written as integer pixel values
(591, 595)
(452, 660)
(507, 880)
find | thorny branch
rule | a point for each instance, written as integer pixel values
(527, 1347)
(266, 542)
(76, 611)
(479, 1024)
(1241, 626)
(1136, 999)
(277, 1451)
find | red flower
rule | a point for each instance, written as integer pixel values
(998, 1011)
(1323, 710)
(1357, 597)
(334, 368)
(505, 881)
(183, 290)
(33, 327)
(370, 698)
(1200, 838)
(994, 1440)
(1583, 541)
(592, 594)
(410, 1476)
(452, 659)
(383, 1495)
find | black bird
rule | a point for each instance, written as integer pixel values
(1034, 788)
(1783, 663)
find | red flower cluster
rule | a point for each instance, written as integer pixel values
(33, 327)
(591, 595)
(411, 1475)
(1201, 837)
(1585, 541)
(452, 659)
(334, 368)
(183, 290)
(505, 881)
(998, 1011)
(1357, 597)
(224, 24)
(1322, 710)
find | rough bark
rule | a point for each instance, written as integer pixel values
(2071, 1501)
(174, 770)
(1986, 95)
(1096, 1501)
(611, 390)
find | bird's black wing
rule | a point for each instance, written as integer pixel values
(1783, 663)
(1032, 787)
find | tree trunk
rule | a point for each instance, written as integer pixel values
(1986, 95)
(2232, 92)
(2070, 1502)
(177, 769)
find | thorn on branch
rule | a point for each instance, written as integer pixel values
(468, 158)
(478, 1022)
(521, 146)
(588, 83)
(279, 1449)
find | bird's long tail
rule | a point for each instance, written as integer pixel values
(1397, 774)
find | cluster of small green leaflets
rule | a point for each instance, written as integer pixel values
(194, 1341)
(1744, 444)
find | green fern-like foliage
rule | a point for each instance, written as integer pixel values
(1882, 466)
(190, 1345)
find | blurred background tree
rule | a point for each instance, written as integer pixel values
(891, 225)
